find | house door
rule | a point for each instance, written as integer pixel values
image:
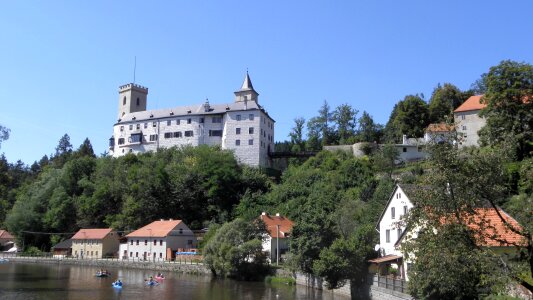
(125, 255)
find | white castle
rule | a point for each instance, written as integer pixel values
(242, 126)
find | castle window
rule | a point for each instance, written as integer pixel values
(215, 132)
(251, 117)
(121, 141)
(138, 126)
(168, 135)
(237, 131)
(154, 124)
(189, 133)
(201, 120)
(177, 134)
(169, 122)
(131, 126)
(111, 142)
(138, 101)
(189, 121)
(177, 122)
(124, 101)
(121, 128)
(237, 142)
(153, 137)
(217, 119)
(250, 142)
(145, 125)
(238, 117)
(135, 138)
(251, 130)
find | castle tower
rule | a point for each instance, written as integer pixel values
(247, 92)
(131, 98)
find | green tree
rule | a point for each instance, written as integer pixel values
(85, 149)
(319, 129)
(409, 116)
(509, 110)
(368, 131)
(385, 159)
(4, 134)
(345, 118)
(236, 250)
(296, 135)
(444, 99)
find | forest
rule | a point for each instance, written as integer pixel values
(334, 199)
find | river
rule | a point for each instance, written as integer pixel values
(35, 281)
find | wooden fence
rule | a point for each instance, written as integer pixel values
(389, 283)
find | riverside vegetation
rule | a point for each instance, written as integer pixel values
(334, 199)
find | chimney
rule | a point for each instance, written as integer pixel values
(162, 220)
(277, 214)
(263, 213)
(404, 138)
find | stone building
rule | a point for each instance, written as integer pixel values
(468, 122)
(242, 126)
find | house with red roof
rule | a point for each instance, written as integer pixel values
(277, 241)
(7, 241)
(439, 133)
(159, 240)
(95, 243)
(468, 122)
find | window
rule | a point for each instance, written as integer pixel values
(215, 132)
(131, 126)
(124, 100)
(217, 119)
(464, 127)
(153, 137)
(155, 242)
(111, 142)
(201, 120)
(131, 254)
(251, 117)
(121, 128)
(405, 209)
(121, 141)
(137, 242)
(238, 117)
(404, 149)
(237, 131)
(168, 135)
(138, 126)
(387, 236)
(145, 125)
(181, 230)
(169, 122)
(392, 213)
(399, 232)
(250, 130)
(145, 242)
(96, 253)
(189, 133)
(160, 242)
(250, 142)
(131, 242)
(136, 254)
(154, 124)
(135, 138)
(462, 117)
(189, 242)
(160, 254)
(177, 134)
(237, 142)
(177, 122)
(189, 121)
(138, 101)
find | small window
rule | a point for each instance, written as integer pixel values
(145, 242)
(160, 242)
(238, 117)
(251, 117)
(154, 124)
(462, 117)
(392, 213)
(189, 133)
(217, 119)
(124, 100)
(131, 242)
(137, 242)
(387, 236)
(145, 125)
(153, 137)
(136, 254)
(121, 128)
(131, 254)
(177, 134)
(404, 149)
(464, 127)
(121, 141)
(111, 142)
(250, 142)
(131, 126)
(215, 132)
(160, 254)
(168, 135)
(177, 122)
(399, 232)
(169, 122)
(251, 130)
(138, 101)
(237, 142)
(155, 242)
(189, 121)
(237, 131)
(405, 209)
(138, 126)
(201, 120)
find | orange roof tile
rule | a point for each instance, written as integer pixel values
(92, 234)
(156, 229)
(440, 127)
(5, 235)
(271, 222)
(493, 231)
(472, 103)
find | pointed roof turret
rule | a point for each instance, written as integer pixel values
(247, 92)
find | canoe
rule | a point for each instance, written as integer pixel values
(152, 283)
(159, 278)
(102, 274)
(115, 285)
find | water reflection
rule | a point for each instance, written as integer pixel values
(33, 281)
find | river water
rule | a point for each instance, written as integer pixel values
(36, 281)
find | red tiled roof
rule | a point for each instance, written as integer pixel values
(5, 235)
(92, 234)
(440, 127)
(156, 229)
(271, 222)
(492, 230)
(472, 103)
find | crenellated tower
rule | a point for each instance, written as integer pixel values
(131, 98)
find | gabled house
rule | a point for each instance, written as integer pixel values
(468, 122)
(439, 133)
(392, 230)
(159, 240)
(62, 249)
(7, 241)
(278, 228)
(95, 243)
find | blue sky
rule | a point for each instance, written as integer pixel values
(61, 62)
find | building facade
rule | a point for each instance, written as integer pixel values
(242, 126)
(468, 122)
(278, 228)
(95, 243)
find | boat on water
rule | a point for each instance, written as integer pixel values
(117, 284)
(4, 260)
(102, 274)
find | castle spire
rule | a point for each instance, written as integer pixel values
(247, 92)
(247, 84)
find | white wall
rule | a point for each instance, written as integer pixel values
(467, 124)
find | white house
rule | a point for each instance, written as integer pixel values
(242, 126)
(278, 228)
(468, 122)
(158, 240)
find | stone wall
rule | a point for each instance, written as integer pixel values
(380, 293)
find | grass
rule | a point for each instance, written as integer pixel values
(280, 280)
